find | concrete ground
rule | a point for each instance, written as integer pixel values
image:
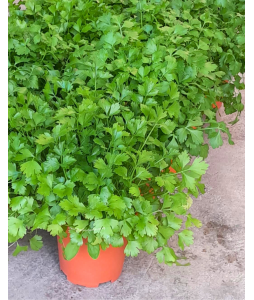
(217, 256)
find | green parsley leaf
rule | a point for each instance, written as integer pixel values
(71, 251)
(132, 248)
(30, 168)
(93, 250)
(36, 242)
(19, 249)
(185, 238)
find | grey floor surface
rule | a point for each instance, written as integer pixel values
(217, 256)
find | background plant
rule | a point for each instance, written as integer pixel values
(107, 101)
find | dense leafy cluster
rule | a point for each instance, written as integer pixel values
(108, 101)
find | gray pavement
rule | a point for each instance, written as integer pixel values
(217, 256)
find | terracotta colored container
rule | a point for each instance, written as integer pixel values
(88, 272)
(218, 104)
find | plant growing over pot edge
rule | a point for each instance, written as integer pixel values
(101, 101)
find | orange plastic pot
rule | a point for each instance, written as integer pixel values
(218, 104)
(88, 272)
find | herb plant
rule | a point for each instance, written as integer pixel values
(108, 101)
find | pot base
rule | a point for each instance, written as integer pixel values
(86, 283)
(85, 271)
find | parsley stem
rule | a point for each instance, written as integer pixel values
(160, 210)
(148, 137)
(95, 81)
(12, 244)
(141, 149)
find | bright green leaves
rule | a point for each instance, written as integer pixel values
(174, 222)
(77, 25)
(121, 171)
(125, 229)
(19, 249)
(120, 158)
(12, 172)
(195, 171)
(93, 250)
(42, 219)
(106, 111)
(37, 38)
(166, 255)
(203, 44)
(96, 204)
(142, 173)
(72, 206)
(30, 168)
(132, 248)
(148, 89)
(16, 228)
(71, 250)
(67, 161)
(134, 190)
(215, 139)
(168, 181)
(105, 227)
(91, 181)
(182, 134)
(151, 47)
(183, 159)
(76, 237)
(222, 3)
(24, 153)
(137, 127)
(19, 187)
(45, 139)
(173, 93)
(45, 184)
(185, 238)
(198, 167)
(22, 204)
(110, 109)
(117, 206)
(65, 189)
(116, 240)
(143, 71)
(167, 127)
(105, 194)
(147, 225)
(195, 135)
(51, 164)
(208, 68)
(145, 156)
(180, 30)
(87, 111)
(149, 244)
(166, 232)
(178, 203)
(110, 39)
(80, 224)
(191, 173)
(54, 229)
(240, 39)
(192, 221)
(114, 109)
(36, 242)
(103, 169)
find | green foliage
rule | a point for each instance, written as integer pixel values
(108, 101)
(36, 243)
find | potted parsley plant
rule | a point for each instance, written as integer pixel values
(108, 103)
